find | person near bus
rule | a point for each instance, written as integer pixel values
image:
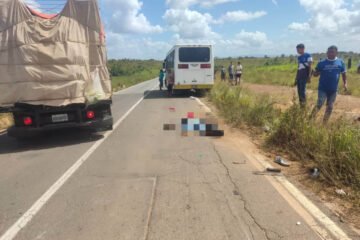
(170, 85)
(223, 74)
(303, 75)
(358, 69)
(329, 71)
(231, 72)
(239, 69)
(161, 79)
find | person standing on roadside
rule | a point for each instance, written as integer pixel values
(303, 75)
(223, 74)
(161, 79)
(239, 69)
(231, 73)
(329, 71)
(358, 69)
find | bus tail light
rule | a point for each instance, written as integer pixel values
(183, 66)
(205, 66)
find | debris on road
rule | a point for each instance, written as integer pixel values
(279, 160)
(193, 98)
(266, 129)
(172, 109)
(262, 173)
(314, 173)
(169, 127)
(275, 170)
(298, 223)
(340, 192)
(238, 163)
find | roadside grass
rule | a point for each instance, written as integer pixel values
(282, 71)
(126, 73)
(333, 148)
(5, 121)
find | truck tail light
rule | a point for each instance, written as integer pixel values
(183, 66)
(205, 66)
(27, 121)
(90, 114)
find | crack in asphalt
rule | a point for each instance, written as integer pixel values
(238, 193)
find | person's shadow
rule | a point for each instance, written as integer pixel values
(157, 94)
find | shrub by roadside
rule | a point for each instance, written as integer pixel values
(334, 148)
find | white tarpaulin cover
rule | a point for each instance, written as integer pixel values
(52, 60)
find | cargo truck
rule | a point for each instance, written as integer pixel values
(54, 68)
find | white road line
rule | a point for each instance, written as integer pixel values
(317, 214)
(11, 233)
(207, 109)
(129, 88)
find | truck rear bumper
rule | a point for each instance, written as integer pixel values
(104, 124)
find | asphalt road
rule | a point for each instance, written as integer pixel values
(140, 182)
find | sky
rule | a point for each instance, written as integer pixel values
(144, 29)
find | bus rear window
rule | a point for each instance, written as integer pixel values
(191, 54)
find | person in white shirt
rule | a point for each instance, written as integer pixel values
(239, 70)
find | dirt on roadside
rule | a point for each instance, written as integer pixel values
(346, 106)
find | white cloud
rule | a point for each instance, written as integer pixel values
(189, 24)
(238, 16)
(329, 17)
(33, 4)
(124, 46)
(299, 26)
(252, 39)
(182, 4)
(127, 17)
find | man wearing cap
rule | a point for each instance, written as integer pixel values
(303, 75)
(329, 71)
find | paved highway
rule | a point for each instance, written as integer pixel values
(140, 182)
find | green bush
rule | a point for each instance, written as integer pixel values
(240, 106)
(334, 148)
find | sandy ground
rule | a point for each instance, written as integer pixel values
(347, 106)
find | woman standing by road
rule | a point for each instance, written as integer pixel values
(161, 79)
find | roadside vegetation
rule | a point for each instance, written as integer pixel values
(126, 73)
(333, 148)
(282, 70)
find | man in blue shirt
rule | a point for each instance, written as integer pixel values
(303, 75)
(329, 71)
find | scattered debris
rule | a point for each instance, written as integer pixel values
(266, 129)
(314, 173)
(238, 163)
(172, 109)
(236, 193)
(169, 127)
(340, 192)
(275, 170)
(191, 115)
(298, 223)
(279, 160)
(267, 173)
